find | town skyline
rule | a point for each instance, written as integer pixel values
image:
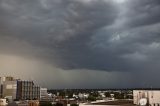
(81, 43)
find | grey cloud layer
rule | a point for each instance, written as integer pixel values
(79, 34)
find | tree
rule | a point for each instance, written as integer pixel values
(92, 98)
(46, 104)
(119, 95)
(16, 100)
(107, 94)
(95, 94)
(59, 104)
(74, 105)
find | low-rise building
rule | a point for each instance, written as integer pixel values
(25, 103)
(3, 102)
(43, 92)
(151, 97)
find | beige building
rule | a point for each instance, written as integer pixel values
(3, 102)
(9, 90)
(3, 81)
(152, 97)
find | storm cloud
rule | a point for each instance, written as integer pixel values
(119, 37)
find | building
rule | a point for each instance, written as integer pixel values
(2, 81)
(3, 102)
(26, 90)
(7, 87)
(9, 90)
(25, 103)
(66, 102)
(152, 97)
(33, 103)
(16, 89)
(36, 92)
(45, 96)
(7, 78)
(43, 93)
(0, 88)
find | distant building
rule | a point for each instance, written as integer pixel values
(3, 102)
(151, 97)
(102, 94)
(7, 87)
(25, 103)
(83, 95)
(2, 80)
(67, 102)
(9, 90)
(7, 78)
(43, 92)
(0, 88)
(27, 90)
(16, 89)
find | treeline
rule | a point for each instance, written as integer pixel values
(109, 89)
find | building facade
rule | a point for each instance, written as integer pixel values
(43, 92)
(9, 90)
(7, 87)
(152, 97)
(3, 102)
(1, 87)
(16, 89)
(27, 90)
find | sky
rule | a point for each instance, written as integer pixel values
(81, 43)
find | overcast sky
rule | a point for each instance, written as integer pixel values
(81, 43)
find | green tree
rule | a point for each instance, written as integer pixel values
(62, 93)
(46, 104)
(74, 105)
(91, 98)
(107, 94)
(119, 95)
(59, 104)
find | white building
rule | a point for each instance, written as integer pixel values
(83, 95)
(102, 94)
(152, 97)
(43, 92)
(3, 102)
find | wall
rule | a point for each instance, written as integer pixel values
(153, 96)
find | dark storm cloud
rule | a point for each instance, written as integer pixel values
(85, 34)
(144, 12)
(64, 27)
(132, 43)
